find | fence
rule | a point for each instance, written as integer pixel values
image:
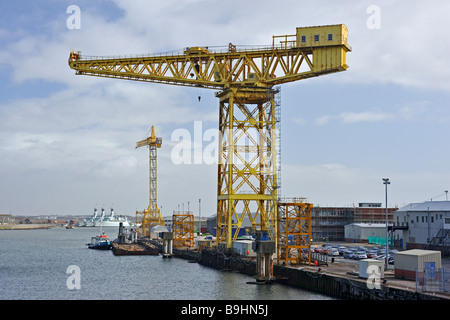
(430, 280)
(379, 241)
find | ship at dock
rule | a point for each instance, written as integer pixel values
(103, 220)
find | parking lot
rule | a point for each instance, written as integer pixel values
(354, 252)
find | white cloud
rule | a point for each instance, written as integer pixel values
(355, 117)
(334, 184)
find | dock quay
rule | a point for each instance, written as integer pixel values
(33, 226)
(337, 280)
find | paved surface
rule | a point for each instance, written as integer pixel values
(350, 269)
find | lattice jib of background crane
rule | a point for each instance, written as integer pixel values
(183, 230)
(294, 232)
(247, 176)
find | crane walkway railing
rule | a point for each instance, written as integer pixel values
(181, 52)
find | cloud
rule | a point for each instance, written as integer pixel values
(335, 184)
(393, 53)
(355, 117)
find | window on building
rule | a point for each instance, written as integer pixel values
(316, 38)
(417, 219)
(303, 39)
(432, 219)
(330, 37)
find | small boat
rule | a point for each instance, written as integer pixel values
(100, 242)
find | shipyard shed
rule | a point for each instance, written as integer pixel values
(407, 262)
(360, 232)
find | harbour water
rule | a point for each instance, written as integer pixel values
(36, 265)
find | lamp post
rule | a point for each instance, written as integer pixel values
(386, 182)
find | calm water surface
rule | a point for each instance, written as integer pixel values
(34, 263)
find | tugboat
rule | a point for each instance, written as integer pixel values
(100, 242)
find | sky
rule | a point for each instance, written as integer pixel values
(67, 142)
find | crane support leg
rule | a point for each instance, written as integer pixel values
(247, 167)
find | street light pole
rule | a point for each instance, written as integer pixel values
(386, 182)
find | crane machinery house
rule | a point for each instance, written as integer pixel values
(320, 38)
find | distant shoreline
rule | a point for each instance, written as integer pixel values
(26, 226)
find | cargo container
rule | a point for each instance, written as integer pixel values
(406, 263)
(367, 267)
(244, 248)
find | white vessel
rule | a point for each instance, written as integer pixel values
(111, 220)
(104, 221)
(89, 222)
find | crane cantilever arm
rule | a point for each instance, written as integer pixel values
(261, 67)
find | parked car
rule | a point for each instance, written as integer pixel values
(359, 255)
(348, 254)
(317, 250)
(372, 255)
(333, 252)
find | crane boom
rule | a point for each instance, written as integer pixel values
(311, 52)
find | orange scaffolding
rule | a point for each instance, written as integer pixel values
(294, 232)
(183, 230)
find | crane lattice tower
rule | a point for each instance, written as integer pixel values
(247, 175)
(151, 216)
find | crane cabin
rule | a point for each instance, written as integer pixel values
(330, 45)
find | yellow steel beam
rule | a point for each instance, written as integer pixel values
(247, 177)
(152, 215)
(258, 67)
(294, 232)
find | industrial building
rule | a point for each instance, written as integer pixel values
(408, 262)
(423, 225)
(362, 232)
(328, 222)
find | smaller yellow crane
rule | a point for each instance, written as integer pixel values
(151, 216)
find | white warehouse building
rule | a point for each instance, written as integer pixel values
(362, 232)
(423, 225)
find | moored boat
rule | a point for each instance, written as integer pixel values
(100, 242)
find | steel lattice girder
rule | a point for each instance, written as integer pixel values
(263, 67)
(294, 232)
(183, 230)
(247, 173)
(151, 216)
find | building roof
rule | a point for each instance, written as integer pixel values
(417, 252)
(369, 225)
(427, 206)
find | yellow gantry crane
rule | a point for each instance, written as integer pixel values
(152, 216)
(248, 118)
